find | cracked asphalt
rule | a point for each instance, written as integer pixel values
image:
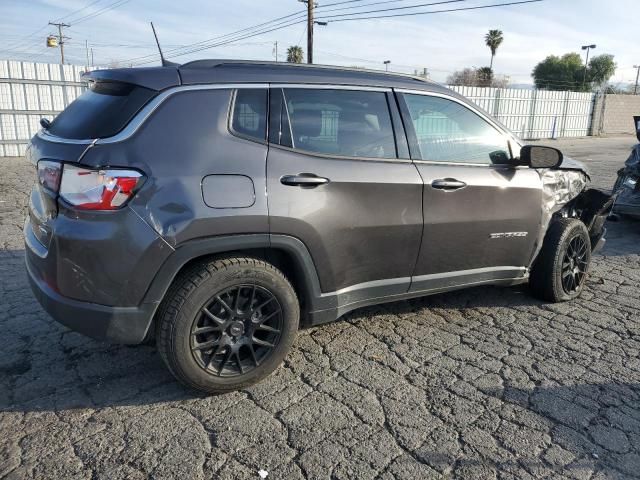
(482, 383)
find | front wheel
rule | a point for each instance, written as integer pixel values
(227, 323)
(560, 270)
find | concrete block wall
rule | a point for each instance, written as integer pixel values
(615, 114)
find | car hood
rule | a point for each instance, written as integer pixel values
(569, 163)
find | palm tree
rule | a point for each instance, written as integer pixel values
(484, 77)
(493, 40)
(295, 54)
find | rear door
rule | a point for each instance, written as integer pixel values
(341, 182)
(481, 214)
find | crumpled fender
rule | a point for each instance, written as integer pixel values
(565, 193)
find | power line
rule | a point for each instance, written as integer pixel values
(206, 47)
(279, 21)
(356, 6)
(433, 12)
(90, 4)
(393, 8)
(23, 48)
(276, 21)
(97, 13)
(17, 43)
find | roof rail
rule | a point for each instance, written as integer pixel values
(213, 63)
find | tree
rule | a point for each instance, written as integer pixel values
(295, 54)
(484, 77)
(601, 69)
(567, 72)
(493, 40)
(462, 78)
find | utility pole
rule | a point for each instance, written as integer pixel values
(61, 38)
(86, 50)
(635, 89)
(310, 6)
(275, 49)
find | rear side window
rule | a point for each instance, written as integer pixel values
(250, 113)
(346, 123)
(102, 111)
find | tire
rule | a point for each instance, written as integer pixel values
(214, 342)
(560, 270)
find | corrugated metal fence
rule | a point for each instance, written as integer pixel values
(536, 113)
(30, 91)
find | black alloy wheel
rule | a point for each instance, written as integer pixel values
(236, 330)
(574, 264)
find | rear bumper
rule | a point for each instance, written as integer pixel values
(125, 325)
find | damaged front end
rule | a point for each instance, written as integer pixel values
(566, 195)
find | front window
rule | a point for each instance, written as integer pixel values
(450, 132)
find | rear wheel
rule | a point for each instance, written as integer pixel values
(227, 323)
(560, 270)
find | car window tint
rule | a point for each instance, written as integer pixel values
(450, 132)
(341, 122)
(250, 113)
(101, 111)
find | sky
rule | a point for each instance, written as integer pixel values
(118, 32)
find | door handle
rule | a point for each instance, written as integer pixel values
(303, 180)
(448, 184)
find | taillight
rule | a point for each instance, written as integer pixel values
(49, 174)
(98, 189)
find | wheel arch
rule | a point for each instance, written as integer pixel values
(286, 253)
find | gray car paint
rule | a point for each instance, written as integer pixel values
(361, 234)
(364, 225)
(458, 224)
(186, 139)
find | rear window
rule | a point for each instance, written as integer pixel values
(102, 111)
(341, 122)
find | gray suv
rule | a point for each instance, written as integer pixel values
(218, 206)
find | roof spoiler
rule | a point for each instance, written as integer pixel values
(154, 78)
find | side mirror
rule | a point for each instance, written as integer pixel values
(636, 120)
(538, 156)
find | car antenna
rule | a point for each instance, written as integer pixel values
(165, 62)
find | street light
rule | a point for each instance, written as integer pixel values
(386, 65)
(586, 62)
(322, 24)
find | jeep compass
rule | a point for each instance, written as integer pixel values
(217, 206)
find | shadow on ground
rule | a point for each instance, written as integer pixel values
(51, 367)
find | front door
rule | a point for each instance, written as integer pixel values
(338, 184)
(481, 215)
